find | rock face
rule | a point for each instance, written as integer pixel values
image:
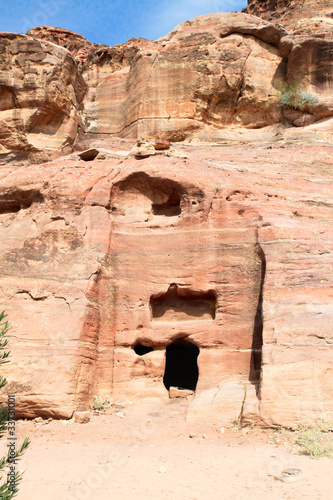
(309, 52)
(212, 72)
(140, 269)
(131, 276)
(215, 77)
(211, 76)
(289, 12)
(78, 46)
(40, 92)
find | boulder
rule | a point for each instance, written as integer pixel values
(82, 417)
(40, 94)
(176, 392)
(221, 405)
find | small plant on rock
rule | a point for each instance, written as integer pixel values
(87, 122)
(101, 404)
(294, 96)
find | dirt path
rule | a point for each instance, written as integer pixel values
(149, 454)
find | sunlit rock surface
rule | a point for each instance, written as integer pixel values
(157, 268)
(229, 249)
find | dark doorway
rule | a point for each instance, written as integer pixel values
(181, 368)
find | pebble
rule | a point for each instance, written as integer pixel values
(291, 475)
(120, 414)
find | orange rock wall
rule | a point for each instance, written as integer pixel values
(87, 250)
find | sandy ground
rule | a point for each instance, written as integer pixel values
(146, 451)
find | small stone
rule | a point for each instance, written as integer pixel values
(176, 392)
(190, 397)
(192, 435)
(82, 417)
(291, 475)
(120, 414)
(162, 469)
(222, 430)
(38, 419)
(143, 149)
(89, 154)
(161, 144)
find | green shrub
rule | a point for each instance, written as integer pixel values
(9, 488)
(317, 440)
(294, 96)
(101, 404)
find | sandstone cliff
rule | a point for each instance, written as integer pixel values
(232, 254)
(289, 12)
(209, 73)
(216, 77)
(120, 262)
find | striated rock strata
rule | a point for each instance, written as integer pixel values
(154, 270)
(212, 72)
(114, 272)
(214, 78)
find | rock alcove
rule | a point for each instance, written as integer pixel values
(179, 304)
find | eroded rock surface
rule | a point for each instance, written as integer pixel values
(40, 92)
(78, 46)
(214, 78)
(289, 12)
(212, 72)
(106, 263)
(142, 269)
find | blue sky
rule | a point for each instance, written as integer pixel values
(108, 22)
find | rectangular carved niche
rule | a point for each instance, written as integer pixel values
(182, 305)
